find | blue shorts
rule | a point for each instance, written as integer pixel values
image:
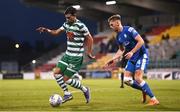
(139, 64)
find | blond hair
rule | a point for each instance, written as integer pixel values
(114, 17)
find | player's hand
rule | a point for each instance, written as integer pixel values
(42, 29)
(129, 55)
(91, 56)
(70, 35)
(109, 65)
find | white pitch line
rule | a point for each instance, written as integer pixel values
(94, 90)
(75, 91)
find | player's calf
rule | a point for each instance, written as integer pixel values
(77, 84)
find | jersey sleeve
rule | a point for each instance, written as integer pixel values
(63, 27)
(133, 32)
(84, 30)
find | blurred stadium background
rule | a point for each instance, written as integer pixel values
(25, 54)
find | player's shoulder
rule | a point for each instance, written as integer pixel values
(80, 24)
(128, 28)
(65, 23)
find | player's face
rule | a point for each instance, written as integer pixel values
(115, 25)
(70, 18)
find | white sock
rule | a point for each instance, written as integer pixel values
(142, 83)
(153, 98)
(67, 93)
(84, 89)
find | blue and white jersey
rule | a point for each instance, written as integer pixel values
(127, 38)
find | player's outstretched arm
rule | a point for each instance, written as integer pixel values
(89, 44)
(118, 53)
(52, 32)
(112, 63)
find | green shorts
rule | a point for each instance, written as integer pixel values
(69, 65)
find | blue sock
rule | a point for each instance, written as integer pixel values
(135, 85)
(146, 89)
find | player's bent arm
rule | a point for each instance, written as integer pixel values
(140, 42)
(89, 44)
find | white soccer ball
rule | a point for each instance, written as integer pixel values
(55, 100)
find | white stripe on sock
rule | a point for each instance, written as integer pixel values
(142, 83)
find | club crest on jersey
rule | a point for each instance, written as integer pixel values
(71, 66)
(126, 43)
(125, 36)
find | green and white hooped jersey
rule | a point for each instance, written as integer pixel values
(79, 30)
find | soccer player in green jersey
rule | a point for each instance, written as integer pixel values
(77, 35)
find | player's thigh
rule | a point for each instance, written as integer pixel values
(74, 66)
(69, 72)
(142, 64)
(140, 68)
(129, 69)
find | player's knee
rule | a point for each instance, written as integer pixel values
(138, 79)
(68, 81)
(128, 80)
(56, 71)
(77, 76)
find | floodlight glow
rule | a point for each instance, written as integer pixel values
(33, 61)
(77, 7)
(110, 2)
(17, 46)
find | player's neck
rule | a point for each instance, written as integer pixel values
(71, 23)
(75, 20)
(120, 28)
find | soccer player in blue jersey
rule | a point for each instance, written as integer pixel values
(77, 35)
(128, 38)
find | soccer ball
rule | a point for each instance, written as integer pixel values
(55, 100)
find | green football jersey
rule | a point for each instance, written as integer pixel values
(75, 47)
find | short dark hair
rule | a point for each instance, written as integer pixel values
(114, 17)
(70, 10)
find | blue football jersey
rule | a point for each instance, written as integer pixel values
(127, 38)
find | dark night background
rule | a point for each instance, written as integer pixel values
(18, 23)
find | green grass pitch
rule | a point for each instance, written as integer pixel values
(33, 95)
